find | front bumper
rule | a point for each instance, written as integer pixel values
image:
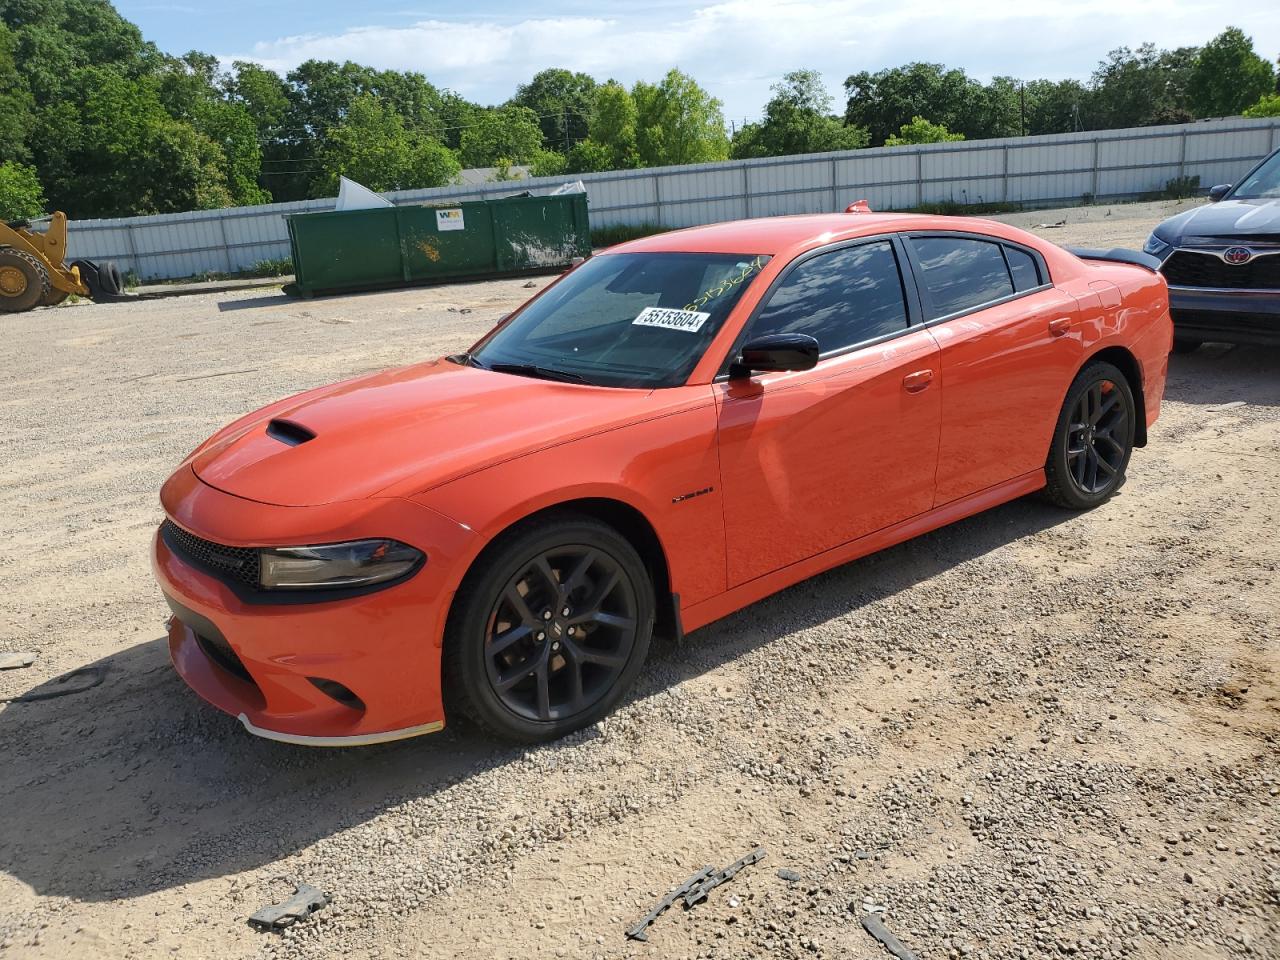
(1226, 316)
(345, 672)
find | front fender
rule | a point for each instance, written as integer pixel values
(667, 469)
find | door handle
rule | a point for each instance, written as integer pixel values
(1060, 326)
(915, 382)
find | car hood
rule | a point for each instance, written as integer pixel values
(411, 428)
(1227, 220)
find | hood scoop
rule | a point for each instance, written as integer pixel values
(288, 432)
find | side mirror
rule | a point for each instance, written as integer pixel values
(775, 353)
(1218, 192)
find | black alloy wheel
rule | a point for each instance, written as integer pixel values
(549, 629)
(1094, 453)
(561, 633)
(1093, 440)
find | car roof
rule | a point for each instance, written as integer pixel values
(777, 235)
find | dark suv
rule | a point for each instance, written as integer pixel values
(1222, 262)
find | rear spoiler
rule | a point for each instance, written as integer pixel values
(1118, 255)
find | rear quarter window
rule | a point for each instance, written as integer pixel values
(1025, 270)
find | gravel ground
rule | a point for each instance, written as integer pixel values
(1032, 734)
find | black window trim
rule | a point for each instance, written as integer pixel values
(910, 296)
(917, 272)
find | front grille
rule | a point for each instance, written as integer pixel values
(1187, 269)
(239, 563)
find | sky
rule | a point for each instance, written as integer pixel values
(736, 49)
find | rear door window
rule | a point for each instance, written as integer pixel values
(960, 274)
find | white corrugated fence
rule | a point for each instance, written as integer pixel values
(1057, 169)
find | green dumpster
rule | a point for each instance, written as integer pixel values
(402, 246)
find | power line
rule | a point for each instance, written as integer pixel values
(283, 132)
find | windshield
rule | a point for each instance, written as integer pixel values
(1263, 182)
(624, 319)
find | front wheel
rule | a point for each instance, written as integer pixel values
(1093, 439)
(549, 631)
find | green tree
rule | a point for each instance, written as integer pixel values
(612, 144)
(372, 146)
(320, 95)
(548, 163)
(113, 149)
(998, 110)
(678, 122)
(507, 134)
(797, 120)
(21, 196)
(17, 107)
(1228, 76)
(588, 156)
(1136, 88)
(1056, 106)
(191, 88)
(1267, 106)
(920, 130)
(562, 101)
(54, 38)
(262, 93)
(883, 102)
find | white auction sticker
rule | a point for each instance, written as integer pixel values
(449, 219)
(669, 319)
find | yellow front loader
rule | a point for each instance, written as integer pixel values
(33, 272)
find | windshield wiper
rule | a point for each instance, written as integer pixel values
(465, 360)
(544, 373)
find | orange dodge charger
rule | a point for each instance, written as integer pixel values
(674, 429)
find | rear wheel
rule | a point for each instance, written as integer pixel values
(1093, 439)
(23, 281)
(550, 630)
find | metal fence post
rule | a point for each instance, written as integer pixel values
(133, 250)
(657, 197)
(226, 246)
(919, 178)
(746, 192)
(1004, 176)
(1182, 156)
(1094, 191)
(835, 200)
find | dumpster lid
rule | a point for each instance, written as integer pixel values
(352, 196)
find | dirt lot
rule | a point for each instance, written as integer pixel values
(1032, 734)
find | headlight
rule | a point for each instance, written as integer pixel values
(1155, 246)
(359, 563)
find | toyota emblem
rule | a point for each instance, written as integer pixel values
(1237, 255)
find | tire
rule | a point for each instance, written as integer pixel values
(54, 297)
(1093, 439)
(1185, 345)
(89, 277)
(503, 666)
(23, 280)
(109, 277)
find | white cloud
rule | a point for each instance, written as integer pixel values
(737, 48)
